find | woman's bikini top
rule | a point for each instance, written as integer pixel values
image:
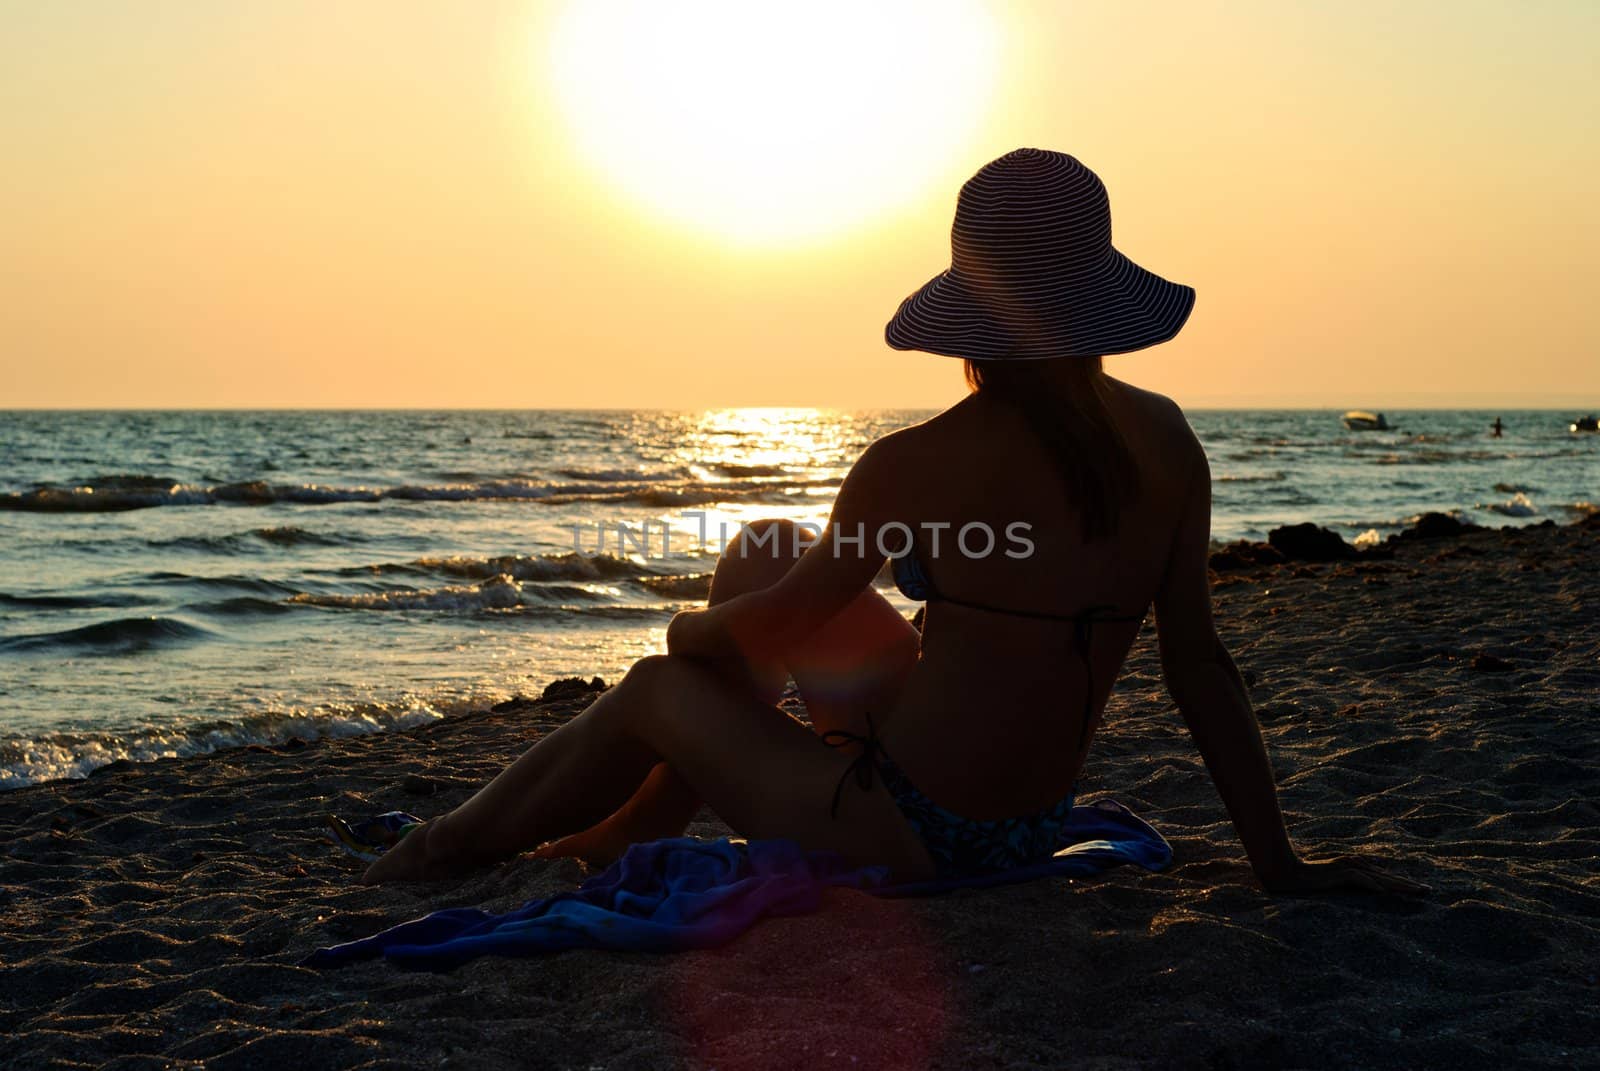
(912, 578)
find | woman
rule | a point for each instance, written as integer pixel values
(1039, 518)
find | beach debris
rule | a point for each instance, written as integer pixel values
(571, 687)
(1244, 554)
(370, 837)
(1484, 662)
(1309, 543)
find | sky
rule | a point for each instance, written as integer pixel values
(497, 204)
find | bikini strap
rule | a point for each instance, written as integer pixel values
(915, 583)
(863, 764)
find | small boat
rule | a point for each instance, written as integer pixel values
(1361, 420)
(1584, 423)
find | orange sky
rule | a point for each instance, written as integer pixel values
(385, 204)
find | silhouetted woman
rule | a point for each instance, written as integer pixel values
(1040, 518)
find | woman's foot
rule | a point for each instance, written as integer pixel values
(598, 847)
(417, 857)
(602, 845)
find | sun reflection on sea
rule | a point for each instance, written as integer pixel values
(788, 461)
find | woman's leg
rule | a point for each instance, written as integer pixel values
(851, 667)
(762, 771)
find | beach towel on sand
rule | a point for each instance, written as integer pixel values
(683, 893)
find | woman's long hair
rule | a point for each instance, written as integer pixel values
(1071, 417)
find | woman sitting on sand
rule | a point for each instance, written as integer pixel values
(1040, 518)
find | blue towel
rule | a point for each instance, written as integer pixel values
(683, 893)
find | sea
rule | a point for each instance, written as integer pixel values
(174, 583)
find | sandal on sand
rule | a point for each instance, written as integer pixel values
(370, 837)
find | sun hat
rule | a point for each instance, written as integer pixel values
(1033, 273)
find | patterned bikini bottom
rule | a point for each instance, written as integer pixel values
(960, 847)
(963, 847)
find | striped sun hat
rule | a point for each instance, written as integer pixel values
(1033, 273)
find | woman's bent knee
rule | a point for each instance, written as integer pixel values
(770, 539)
(650, 670)
(758, 556)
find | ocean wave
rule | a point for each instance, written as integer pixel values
(291, 536)
(502, 592)
(728, 468)
(537, 567)
(106, 494)
(243, 606)
(255, 585)
(122, 493)
(1431, 457)
(698, 495)
(498, 594)
(688, 588)
(71, 602)
(257, 539)
(628, 475)
(122, 636)
(1262, 477)
(53, 756)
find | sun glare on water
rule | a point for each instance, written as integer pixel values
(767, 123)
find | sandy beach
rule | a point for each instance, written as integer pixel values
(1440, 707)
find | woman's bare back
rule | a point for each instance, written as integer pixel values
(990, 721)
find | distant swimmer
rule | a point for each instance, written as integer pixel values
(1497, 428)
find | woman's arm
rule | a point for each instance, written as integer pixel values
(761, 625)
(1211, 696)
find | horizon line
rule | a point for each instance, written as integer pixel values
(1210, 406)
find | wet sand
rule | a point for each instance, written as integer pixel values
(1441, 708)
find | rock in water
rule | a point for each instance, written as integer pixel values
(569, 687)
(1308, 543)
(1438, 526)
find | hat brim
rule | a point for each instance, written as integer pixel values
(1118, 307)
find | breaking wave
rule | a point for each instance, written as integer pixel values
(499, 593)
(52, 756)
(1520, 505)
(568, 566)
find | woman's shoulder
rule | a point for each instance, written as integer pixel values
(1148, 403)
(947, 425)
(1156, 413)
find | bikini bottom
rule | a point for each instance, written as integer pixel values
(960, 847)
(963, 847)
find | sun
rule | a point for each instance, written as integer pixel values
(773, 122)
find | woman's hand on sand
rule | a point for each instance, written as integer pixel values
(1343, 874)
